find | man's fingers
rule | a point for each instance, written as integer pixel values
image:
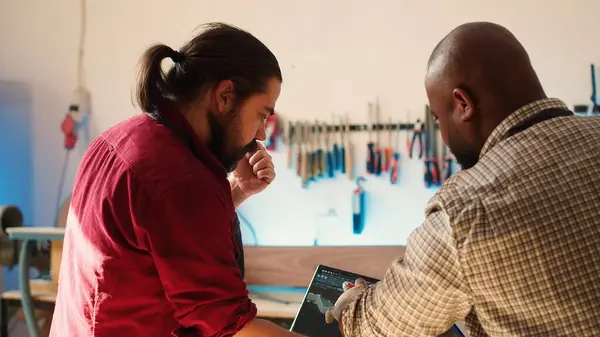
(361, 282)
(329, 317)
(264, 163)
(258, 156)
(267, 174)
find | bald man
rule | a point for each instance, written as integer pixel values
(511, 244)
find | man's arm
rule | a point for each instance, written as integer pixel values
(263, 328)
(422, 294)
(236, 193)
(188, 232)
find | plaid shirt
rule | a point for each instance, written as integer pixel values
(511, 246)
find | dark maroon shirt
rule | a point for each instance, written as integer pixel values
(150, 244)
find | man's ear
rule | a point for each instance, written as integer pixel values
(224, 96)
(464, 102)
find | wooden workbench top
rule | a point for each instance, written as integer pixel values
(268, 305)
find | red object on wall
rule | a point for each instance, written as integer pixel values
(69, 127)
(273, 132)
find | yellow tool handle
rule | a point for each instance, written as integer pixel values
(304, 168)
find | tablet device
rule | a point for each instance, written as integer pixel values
(322, 293)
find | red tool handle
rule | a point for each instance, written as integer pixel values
(435, 172)
(394, 168)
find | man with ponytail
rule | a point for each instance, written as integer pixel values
(152, 244)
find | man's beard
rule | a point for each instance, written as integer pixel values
(466, 160)
(465, 157)
(222, 145)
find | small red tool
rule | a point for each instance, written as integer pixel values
(273, 130)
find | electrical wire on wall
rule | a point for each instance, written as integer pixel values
(245, 221)
(79, 107)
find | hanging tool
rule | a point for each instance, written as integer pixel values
(387, 157)
(331, 153)
(435, 166)
(272, 129)
(335, 147)
(311, 151)
(395, 158)
(301, 141)
(319, 163)
(408, 133)
(290, 138)
(378, 149)
(358, 207)
(349, 164)
(417, 139)
(594, 98)
(370, 144)
(341, 159)
(447, 166)
(304, 155)
(428, 174)
(314, 168)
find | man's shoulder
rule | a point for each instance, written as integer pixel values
(154, 155)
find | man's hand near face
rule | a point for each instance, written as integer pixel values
(252, 175)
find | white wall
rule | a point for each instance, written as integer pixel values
(330, 64)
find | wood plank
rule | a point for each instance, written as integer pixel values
(294, 266)
(56, 248)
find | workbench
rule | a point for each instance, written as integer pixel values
(272, 302)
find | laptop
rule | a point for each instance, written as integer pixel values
(322, 293)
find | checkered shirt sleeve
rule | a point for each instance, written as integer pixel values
(422, 293)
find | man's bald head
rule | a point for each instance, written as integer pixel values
(476, 76)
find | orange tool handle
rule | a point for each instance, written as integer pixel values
(387, 159)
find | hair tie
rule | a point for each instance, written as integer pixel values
(177, 57)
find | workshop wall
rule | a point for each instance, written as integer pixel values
(335, 56)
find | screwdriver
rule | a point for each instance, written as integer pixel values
(378, 151)
(395, 158)
(370, 144)
(320, 156)
(303, 156)
(336, 150)
(428, 176)
(342, 154)
(331, 154)
(311, 151)
(435, 169)
(316, 162)
(348, 156)
(299, 134)
(289, 136)
(387, 158)
(447, 166)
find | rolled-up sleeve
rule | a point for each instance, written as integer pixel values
(191, 241)
(422, 294)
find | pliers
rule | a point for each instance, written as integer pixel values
(417, 136)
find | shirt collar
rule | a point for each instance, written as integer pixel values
(517, 117)
(184, 129)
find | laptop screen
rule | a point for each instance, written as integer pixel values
(322, 293)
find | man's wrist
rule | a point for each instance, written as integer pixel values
(237, 195)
